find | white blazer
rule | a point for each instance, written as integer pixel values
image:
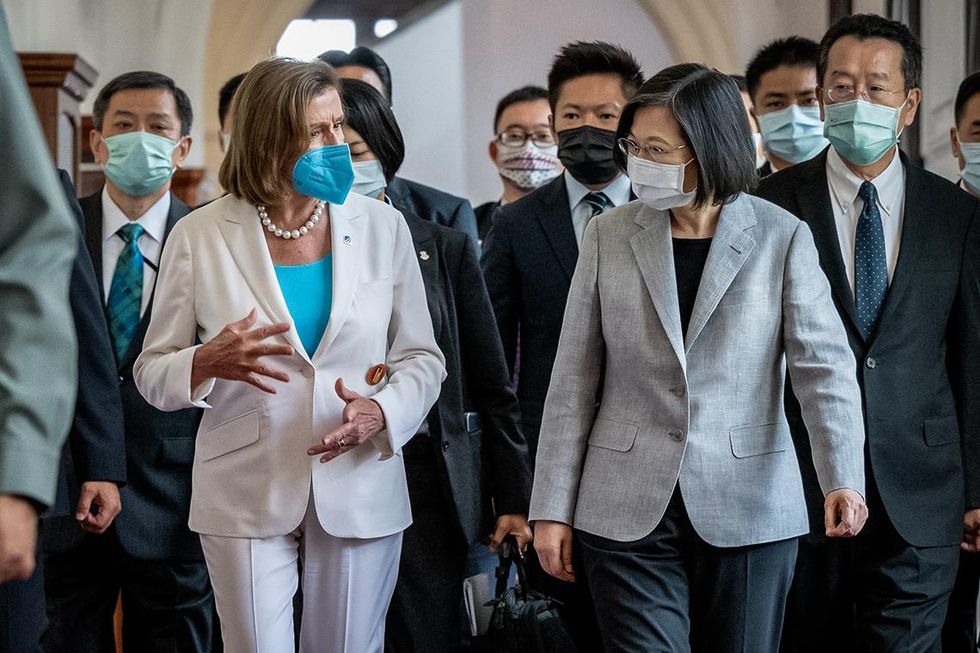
(251, 474)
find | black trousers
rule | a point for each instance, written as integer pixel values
(871, 593)
(672, 592)
(960, 629)
(22, 617)
(425, 614)
(167, 605)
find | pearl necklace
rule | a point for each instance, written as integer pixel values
(295, 233)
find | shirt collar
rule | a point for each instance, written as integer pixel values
(846, 184)
(618, 190)
(154, 221)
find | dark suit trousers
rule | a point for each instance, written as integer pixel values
(671, 592)
(167, 605)
(871, 593)
(425, 614)
(22, 618)
(960, 629)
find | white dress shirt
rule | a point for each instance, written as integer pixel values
(844, 186)
(154, 223)
(618, 192)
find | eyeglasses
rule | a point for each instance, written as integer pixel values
(649, 152)
(847, 92)
(540, 139)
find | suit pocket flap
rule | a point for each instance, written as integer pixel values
(228, 436)
(177, 451)
(941, 430)
(613, 434)
(750, 441)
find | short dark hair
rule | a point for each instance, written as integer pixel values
(740, 83)
(364, 57)
(226, 94)
(368, 113)
(592, 58)
(872, 26)
(790, 51)
(968, 88)
(710, 111)
(523, 94)
(141, 79)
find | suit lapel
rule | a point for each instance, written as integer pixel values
(730, 247)
(813, 197)
(427, 250)
(556, 221)
(914, 236)
(248, 249)
(347, 244)
(655, 257)
(92, 210)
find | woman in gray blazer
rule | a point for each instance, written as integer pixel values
(666, 475)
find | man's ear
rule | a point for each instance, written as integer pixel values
(492, 150)
(99, 150)
(182, 150)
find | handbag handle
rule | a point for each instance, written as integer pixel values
(510, 554)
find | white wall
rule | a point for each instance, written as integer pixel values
(117, 36)
(451, 69)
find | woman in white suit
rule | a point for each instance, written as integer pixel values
(318, 363)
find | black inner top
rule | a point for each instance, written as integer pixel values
(690, 255)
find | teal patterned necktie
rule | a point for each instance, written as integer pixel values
(126, 291)
(870, 262)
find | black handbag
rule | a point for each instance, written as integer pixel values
(523, 620)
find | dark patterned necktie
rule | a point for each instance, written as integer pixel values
(598, 202)
(870, 262)
(126, 291)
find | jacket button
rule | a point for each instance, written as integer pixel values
(871, 363)
(676, 436)
(680, 391)
(445, 446)
(308, 372)
(121, 380)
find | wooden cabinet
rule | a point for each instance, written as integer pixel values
(58, 83)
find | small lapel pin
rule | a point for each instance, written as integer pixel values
(347, 239)
(424, 255)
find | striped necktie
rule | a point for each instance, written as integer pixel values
(598, 202)
(126, 291)
(870, 262)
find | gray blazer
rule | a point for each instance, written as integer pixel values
(633, 406)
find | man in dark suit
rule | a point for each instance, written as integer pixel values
(960, 631)
(901, 248)
(523, 149)
(93, 460)
(428, 203)
(530, 253)
(149, 556)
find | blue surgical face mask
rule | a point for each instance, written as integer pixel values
(140, 163)
(860, 131)
(794, 134)
(325, 173)
(369, 178)
(971, 171)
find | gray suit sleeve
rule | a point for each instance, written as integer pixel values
(822, 369)
(569, 410)
(38, 355)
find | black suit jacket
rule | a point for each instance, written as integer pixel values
(490, 460)
(920, 372)
(528, 260)
(484, 218)
(159, 445)
(96, 448)
(433, 205)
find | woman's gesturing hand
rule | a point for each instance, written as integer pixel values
(235, 352)
(363, 419)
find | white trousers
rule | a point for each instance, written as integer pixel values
(347, 586)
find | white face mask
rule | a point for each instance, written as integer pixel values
(760, 159)
(528, 167)
(369, 178)
(658, 185)
(225, 141)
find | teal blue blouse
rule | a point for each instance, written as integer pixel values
(308, 290)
